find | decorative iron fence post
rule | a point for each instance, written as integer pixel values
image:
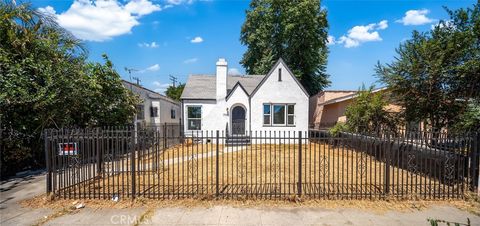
(99, 154)
(164, 136)
(474, 167)
(387, 165)
(216, 165)
(299, 185)
(132, 161)
(49, 162)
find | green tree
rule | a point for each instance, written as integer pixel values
(45, 82)
(295, 30)
(175, 92)
(367, 113)
(437, 73)
(110, 103)
(469, 120)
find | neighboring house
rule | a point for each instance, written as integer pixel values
(239, 104)
(156, 109)
(328, 107)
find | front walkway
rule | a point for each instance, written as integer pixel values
(21, 188)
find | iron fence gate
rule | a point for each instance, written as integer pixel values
(159, 162)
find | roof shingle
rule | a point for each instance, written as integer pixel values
(204, 86)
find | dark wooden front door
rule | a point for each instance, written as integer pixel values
(238, 121)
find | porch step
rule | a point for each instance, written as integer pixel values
(238, 140)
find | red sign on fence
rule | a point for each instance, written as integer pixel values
(67, 149)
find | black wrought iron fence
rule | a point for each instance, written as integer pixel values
(161, 162)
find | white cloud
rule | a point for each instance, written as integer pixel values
(330, 40)
(197, 39)
(178, 2)
(47, 10)
(382, 25)
(160, 87)
(149, 45)
(416, 17)
(154, 67)
(142, 7)
(190, 61)
(360, 34)
(102, 20)
(234, 71)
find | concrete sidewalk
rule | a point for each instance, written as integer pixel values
(226, 215)
(18, 189)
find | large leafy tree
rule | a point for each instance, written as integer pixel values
(46, 82)
(437, 73)
(106, 101)
(368, 113)
(295, 30)
(175, 92)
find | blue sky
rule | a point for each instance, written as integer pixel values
(181, 37)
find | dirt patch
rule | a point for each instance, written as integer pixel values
(471, 204)
(264, 169)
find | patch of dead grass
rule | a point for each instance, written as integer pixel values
(470, 204)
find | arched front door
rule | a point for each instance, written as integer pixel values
(238, 120)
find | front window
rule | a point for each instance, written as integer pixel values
(140, 112)
(290, 114)
(173, 114)
(266, 114)
(279, 114)
(154, 112)
(194, 118)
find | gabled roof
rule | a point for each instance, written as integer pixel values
(151, 94)
(204, 86)
(280, 61)
(238, 84)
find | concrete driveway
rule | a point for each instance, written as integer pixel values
(14, 190)
(18, 189)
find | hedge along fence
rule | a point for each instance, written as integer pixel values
(159, 162)
(20, 151)
(449, 159)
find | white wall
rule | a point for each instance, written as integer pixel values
(239, 98)
(164, 115)
(215, 115)
(282, 92)
(164, 106)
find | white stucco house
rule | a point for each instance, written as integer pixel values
(155, 109)
(242, 104)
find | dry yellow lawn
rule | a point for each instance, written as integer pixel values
(266, 170)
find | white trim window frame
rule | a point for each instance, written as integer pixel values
(194, 119)
(291, 114)
(287, 118)
(281, 117)
(267, 112)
